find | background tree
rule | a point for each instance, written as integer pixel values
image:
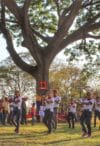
(45, 28)
(13, 78)
(70, 80)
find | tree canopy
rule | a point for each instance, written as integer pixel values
(47, 27)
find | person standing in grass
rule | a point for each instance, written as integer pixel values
(11, 105)
(24, 111)
(87, 104)
(42, 112)
(49, 107)
(5, 106)
(1, 112)
(97, 111)
(17, 109)
(71, 113)
(57, 100)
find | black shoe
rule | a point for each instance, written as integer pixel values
(16, 131)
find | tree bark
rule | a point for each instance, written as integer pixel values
(42, 80)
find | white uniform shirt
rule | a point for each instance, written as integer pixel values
(72, 108)
(87, 104)
(50, 105)
(19, 103)
(57, 99)
(97, 105)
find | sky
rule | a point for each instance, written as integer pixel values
(4, 53)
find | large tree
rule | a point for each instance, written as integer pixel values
(47, 27)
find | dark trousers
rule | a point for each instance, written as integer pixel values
(23, 118)
(4, 118)
(85, 121)
(16, 118)
(71, 119)
(48, 117)
(96, 115)
(1, 117)
(55, 114)
(38, 104)
(10, 116)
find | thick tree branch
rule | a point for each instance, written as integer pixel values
(57, 5)
(15, 10)
(33, 44)
(26, 5)
(45, 39)
(30, 41)
(62, 30)
(25, 14)
(68, 20)
(67, 10)
(94, 19)
(92, 36)
(91, 27)
(3, 12)
(18, 61)
(81, 33)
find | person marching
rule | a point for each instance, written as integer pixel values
(11, 105)
(24, 111)
(71, 113)
(5, 106)
(97, 111)
(57, 100)
(17, 110)
(42, 109)
(48, 116)
(87, 104)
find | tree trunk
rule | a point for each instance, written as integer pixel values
(42, 81)
(42, 86)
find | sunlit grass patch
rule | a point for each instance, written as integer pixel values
(37, 136)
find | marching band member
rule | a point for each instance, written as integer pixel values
(72, 113)
(17, 110)
(97, 110)
(48, 116)
(57, 100)
(87, 104)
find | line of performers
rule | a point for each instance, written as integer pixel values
(48, 110)
(86, 106)
(51, 103)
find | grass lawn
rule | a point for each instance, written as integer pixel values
(36, 136)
